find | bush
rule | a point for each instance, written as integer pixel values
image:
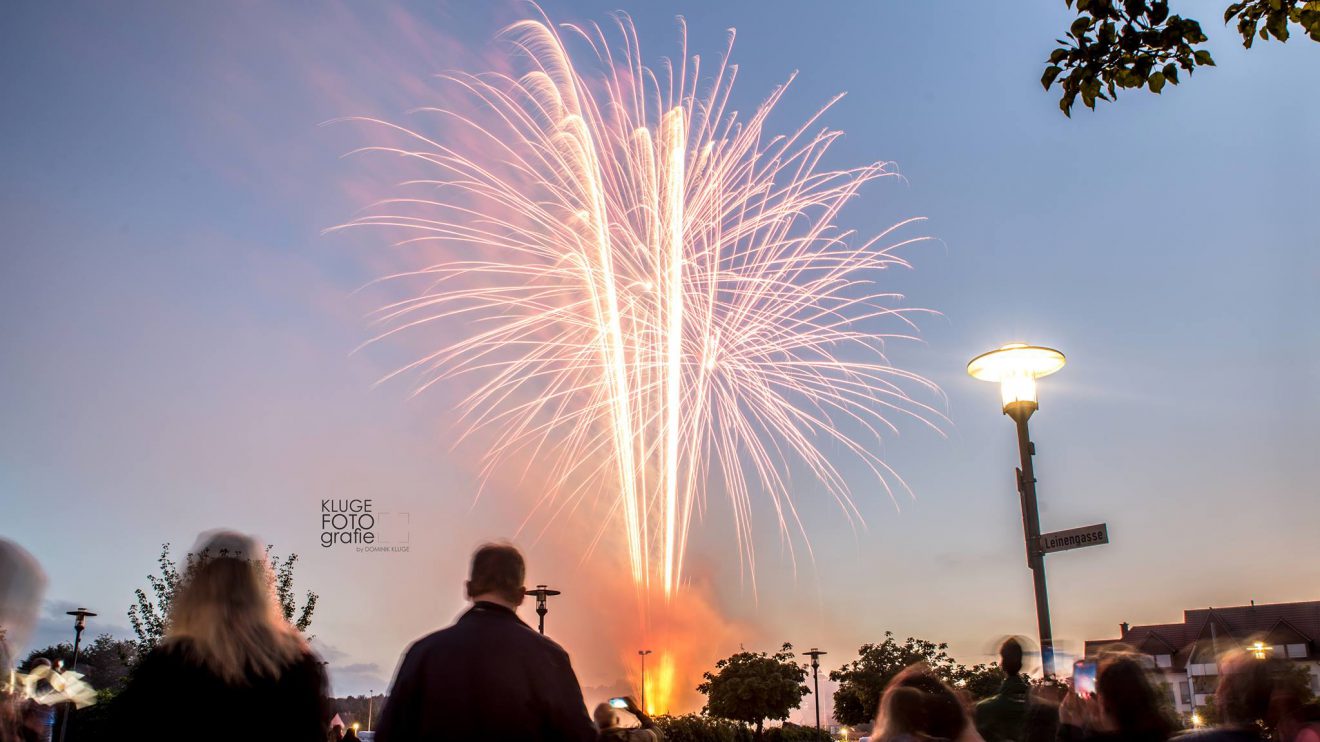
(796, 733)
(699, 728)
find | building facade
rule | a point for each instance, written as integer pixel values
(1187, 654)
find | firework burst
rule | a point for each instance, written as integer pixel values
(657, 299)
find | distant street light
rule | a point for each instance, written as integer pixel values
(541, 593)
(642, 653)
(1259, 650)
(80, 617)
(815, 655)
(1016, 367)
(371, 706)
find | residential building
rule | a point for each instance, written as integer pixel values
(1187, 654)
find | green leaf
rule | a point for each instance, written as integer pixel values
(1171, 73)
(1057, 55)
(1080, 26)
(1203, 58)
(1156, 82)
(1047, 79)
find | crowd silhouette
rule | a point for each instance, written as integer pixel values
(230, 666)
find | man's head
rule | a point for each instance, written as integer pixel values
(1010, 657)
(606, 716)
(497, 575)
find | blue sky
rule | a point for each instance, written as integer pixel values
(177, 332)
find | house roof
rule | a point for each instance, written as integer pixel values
(1282, 623)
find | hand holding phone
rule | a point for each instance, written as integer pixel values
(1083, 679)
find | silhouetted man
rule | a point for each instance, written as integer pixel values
(1012, 714)
(489, 676)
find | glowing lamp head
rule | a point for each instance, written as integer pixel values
(1016, 367)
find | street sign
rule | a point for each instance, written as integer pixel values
(1074, 538)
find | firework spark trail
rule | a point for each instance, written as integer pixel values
(656, 298)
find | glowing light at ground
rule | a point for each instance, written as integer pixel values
(656, 300)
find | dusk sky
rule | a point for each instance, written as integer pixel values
(177, 333)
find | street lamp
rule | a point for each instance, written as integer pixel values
(371, 706)
(541, 593)
(79, 623)
(1259, 650)
(642, 653)
(815, 655)
(1016, 367)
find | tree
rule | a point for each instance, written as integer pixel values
(862, 681)
(1137, 43)
(754, 686)
(104, 663)
(150, 617)
(981, 681)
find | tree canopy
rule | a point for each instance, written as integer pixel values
(1116, 44)
(104, 662)
(150, 615)
(754, 686)
(863, 681)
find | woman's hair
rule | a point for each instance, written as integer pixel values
(225, 614)
(1246, 687)
(918, 703)
(1130, 699)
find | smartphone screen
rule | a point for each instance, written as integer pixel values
(618, 703)
(1084, 677)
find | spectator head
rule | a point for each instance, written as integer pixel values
(1246, 687)
(225, 614)
(606, 716)
(904, 712)
(498, 572)
(917, 697)
(1129, 700)
(1010, 656)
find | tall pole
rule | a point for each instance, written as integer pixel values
(643, 653)
(79, 623)
(1026, 476)
(815, 654)
(371, 706)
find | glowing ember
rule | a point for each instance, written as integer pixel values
(656, 298)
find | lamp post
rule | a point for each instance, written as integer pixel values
(79, 623)
(541, 593)
(1016, 367)
(371, 706)
(642, 653)
(815, 654)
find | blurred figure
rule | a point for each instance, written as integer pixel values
(613, 725)
(1015, 713)
(350, 735)
(917, 705)
(1003, 716)
(228, 656)
(22, 584)
(1125, 706)
(1244, 699)
(489, 676)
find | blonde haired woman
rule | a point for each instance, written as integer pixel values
(230, 665)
